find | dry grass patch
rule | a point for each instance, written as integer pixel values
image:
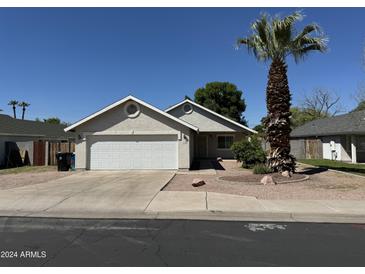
(25, 169)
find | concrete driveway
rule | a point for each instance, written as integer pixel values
(109, 193)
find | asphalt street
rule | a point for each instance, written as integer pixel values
(75, 242)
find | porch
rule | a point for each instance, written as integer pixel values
(211, 145)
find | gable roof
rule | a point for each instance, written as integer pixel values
(125, 99)
(212, 112)
(16, 127)
(351, 123)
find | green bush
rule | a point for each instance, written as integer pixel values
(248, 152)
(261, 169)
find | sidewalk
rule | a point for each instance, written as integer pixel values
(217, 206)
(202, 206)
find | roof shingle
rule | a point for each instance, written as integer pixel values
(351, 123)
(16, 127)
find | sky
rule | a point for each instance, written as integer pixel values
(72, 62)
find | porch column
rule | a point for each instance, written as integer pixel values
(353, 149)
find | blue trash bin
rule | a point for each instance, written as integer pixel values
(73, 161)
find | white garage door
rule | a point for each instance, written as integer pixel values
(133, 152)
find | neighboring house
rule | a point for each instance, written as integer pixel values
(340, 138)
(132, 134)
(29, 141)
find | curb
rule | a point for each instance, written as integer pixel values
(253, 216)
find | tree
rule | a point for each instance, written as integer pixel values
(223, 98)
(52, 120)
(13, 103)
(360, 98)
(23, 105)
(274, 39)
(260, 128)
(321, 104)
(360, 95)
(300, 116)
(360, 106)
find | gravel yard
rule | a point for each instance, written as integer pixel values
(321, 185)
(13, 179)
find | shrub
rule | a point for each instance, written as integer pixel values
(261, 169)
(249, 152)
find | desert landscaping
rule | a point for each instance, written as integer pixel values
(308, 183)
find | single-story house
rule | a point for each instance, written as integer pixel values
(30, 142)
(132, 134)
(340, 138)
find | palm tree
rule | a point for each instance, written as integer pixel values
(13, 103)
(273, 39)
(23, 105)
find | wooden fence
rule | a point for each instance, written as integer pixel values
(313, 149)
(55, 147)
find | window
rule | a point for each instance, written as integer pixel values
(132, 109)
(225, 142)
(188, 108)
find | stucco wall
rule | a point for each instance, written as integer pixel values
(342, 145)
(192, 146)
(23, 142)
(346, 148)
(80, 154)
(205, 121)
(297, 148)
(115, 121)
(335, 152)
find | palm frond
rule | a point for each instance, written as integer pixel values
(277, 37)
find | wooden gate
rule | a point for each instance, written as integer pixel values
(55, 147)
(313, 149)
(39, 150)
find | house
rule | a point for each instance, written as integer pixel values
(30, 142)
(132, 134)
(340, 138)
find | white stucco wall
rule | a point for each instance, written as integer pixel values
(330, 152)
(116, 122)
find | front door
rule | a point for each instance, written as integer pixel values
(202, 146)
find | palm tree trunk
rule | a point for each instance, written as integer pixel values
(14, 112)
(278, 120)
(23, 113)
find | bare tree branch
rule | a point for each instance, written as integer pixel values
(321, 103)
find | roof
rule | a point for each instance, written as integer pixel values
(212, 112)
(16, 127)
(125, 99)
(351, 123)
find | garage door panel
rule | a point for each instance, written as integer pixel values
(136, 152)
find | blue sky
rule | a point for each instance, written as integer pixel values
(71, 62)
